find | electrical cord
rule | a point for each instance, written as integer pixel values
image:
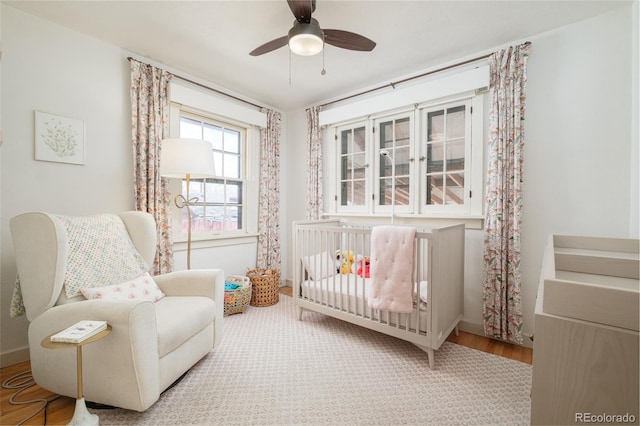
(22, 382)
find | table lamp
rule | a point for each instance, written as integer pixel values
(186, 159)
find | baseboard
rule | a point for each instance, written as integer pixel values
(478, 330)
(14, 357)
(288, 282)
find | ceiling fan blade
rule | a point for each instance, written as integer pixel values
(270, 45)
(348, 40)
(302, 9)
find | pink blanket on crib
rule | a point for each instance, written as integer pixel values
(392, 268)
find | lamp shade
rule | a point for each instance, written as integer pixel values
(306, 39)
(179, 157)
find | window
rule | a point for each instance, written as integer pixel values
(446, 146)
(352, 165)
(219, 206)
(433, 160)
(394, 137)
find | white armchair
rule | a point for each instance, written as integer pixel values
(151, 344)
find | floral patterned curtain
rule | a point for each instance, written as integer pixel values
(502, 308)
(149, 125)
(314, 165)
(269, 194)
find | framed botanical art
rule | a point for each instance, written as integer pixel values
(59, 139)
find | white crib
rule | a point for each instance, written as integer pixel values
(320, 286)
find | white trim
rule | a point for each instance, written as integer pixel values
(417, 93)
(181, 93)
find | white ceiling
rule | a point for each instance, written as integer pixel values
(211, 40)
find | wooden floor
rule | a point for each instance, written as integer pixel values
(60, 409)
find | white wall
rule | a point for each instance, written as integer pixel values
(577, 175)
(49, 68)
(578, 140)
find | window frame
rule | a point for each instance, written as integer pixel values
(463, 209)
(472, 208)
(338, 131)
(379, 161)
(177, 186)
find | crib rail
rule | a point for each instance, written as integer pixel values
(343, 294)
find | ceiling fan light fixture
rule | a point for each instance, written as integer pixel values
(306, 39)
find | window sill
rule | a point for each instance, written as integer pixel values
(222, 240)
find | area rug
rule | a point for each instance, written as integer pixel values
(272, 369)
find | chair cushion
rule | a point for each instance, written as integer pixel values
(179, 318)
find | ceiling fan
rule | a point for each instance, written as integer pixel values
(306, 38)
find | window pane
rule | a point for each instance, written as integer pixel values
(434, 190)
(435, 157)
(402, 191)
(455, 155)
(217, 163)
(455, 122)
(213, 134)
(232, 141)
(386, 135)
(435, 125)
(455, 189)
(345, 168)
(402, 157)
(385, 191)
(196, 189)
(359, 166)
(358, 140)
(231, 220)
(345, 193)
(215, 216)
(403, 132)
(215, 192)
(234, 192)
(386, 167)
(231, 166)
(358, 193)
(190, 128)
(345, 139)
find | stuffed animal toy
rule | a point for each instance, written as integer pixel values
(338, 261)
(364, 268)
(348, 260)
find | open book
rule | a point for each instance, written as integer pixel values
(79, 331)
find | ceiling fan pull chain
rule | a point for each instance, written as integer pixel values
(289, 67)
(323, 72)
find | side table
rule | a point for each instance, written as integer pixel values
(81, 416)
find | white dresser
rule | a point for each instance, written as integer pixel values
(585, 349)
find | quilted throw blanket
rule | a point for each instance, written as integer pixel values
(100, 253)
(392, 251)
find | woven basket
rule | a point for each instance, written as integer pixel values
(236, 301)
(266, 287)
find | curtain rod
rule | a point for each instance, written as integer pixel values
(208, 88)
(393, 84)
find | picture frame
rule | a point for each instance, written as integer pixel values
(59, 139)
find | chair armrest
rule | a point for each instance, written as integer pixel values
(131, 350)
(194, 282)
(197, 282)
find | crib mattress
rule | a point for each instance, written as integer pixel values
(348, 293)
